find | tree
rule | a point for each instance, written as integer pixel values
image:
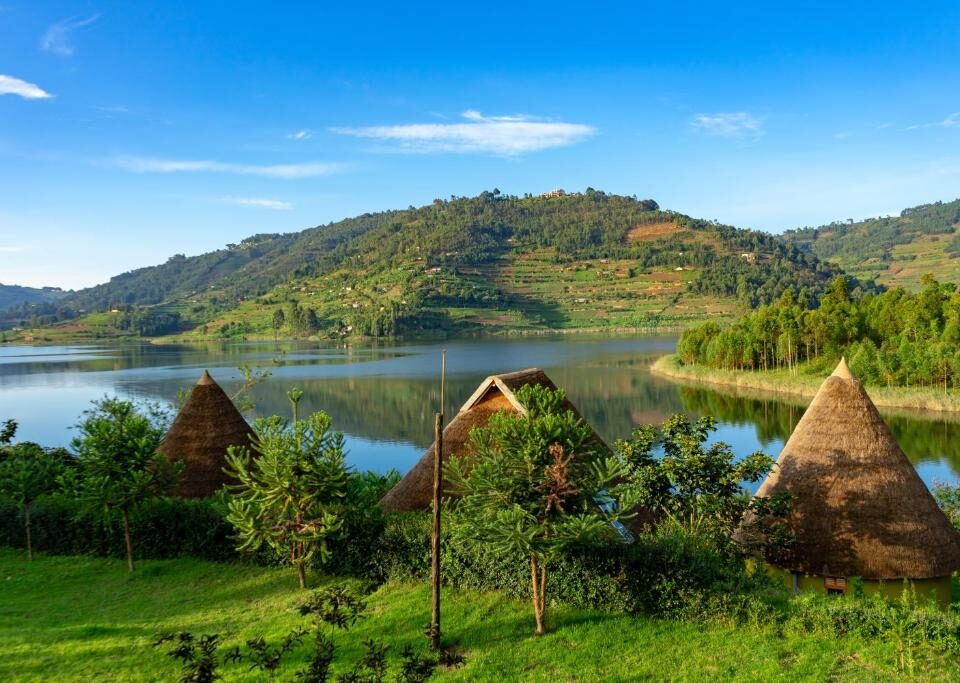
(538, 483)
(7, 431)
(288, 498)
(26, 473)
(699, 488)
(118, 465)
(278, 319)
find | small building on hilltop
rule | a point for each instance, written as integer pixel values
(496, 393)
(206, 426)
(860, 510)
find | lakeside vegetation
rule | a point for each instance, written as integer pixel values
(803, 385)
(896, 339)
(491, 263)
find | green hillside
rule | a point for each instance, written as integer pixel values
(893, 251)
(12, 296)
(487, 263)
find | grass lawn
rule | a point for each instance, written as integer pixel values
(87, 619)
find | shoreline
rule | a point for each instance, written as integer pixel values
(477, 334)
(904, 400)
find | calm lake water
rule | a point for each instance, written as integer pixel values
(383, 397)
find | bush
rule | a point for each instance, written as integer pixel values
(164, 527)
(665, 572)
(171, 527)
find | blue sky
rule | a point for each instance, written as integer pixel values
(133, 131)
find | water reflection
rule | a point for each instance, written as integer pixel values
(383, 396)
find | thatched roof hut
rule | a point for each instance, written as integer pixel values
(496, 393)
(207, 425)
(859, 509)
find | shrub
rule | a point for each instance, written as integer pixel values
(171, 527)
(665, 572)
(164, 527)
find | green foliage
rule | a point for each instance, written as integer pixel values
(532, 487)
(27, 472)
(289, 497)
(197, 656)
(164, 528)
(118, 465)
(948, 498)
(914, 627)
(699, 487)
(7, 431)
(336, 606)
(666, 572)
(895, 338)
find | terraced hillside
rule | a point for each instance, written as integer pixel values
(487, 263)
(893, 251)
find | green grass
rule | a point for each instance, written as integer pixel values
(85, 619)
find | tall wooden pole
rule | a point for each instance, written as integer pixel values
(437, 486)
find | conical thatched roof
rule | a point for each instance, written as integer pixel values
(859, 508)
(496, 393)
(207, 425)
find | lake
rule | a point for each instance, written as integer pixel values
(383, 396)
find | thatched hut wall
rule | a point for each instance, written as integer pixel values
(206, 426)
(860, 509)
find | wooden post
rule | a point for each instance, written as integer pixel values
(435, 536)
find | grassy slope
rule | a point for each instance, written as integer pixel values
(82, 619)
(805, 385)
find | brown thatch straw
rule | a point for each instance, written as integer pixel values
(496, 393)
(859, 509)
(207, 425)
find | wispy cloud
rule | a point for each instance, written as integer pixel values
(56, 38)
(498, 135)
(286, 171)
(12, 249)
(28, 91)
(952, 121)
(304, 134)
(260, 203)
(738, 124)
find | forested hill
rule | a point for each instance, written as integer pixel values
(15, 295)
(897, 250)
(492, 261)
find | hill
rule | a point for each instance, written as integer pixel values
(893, 251)
(13, 296)
(486, 263)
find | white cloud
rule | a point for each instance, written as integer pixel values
(952, 121)
(28, 91)
(498, 135)
(304, 134)
(11, 249)
(56, 39)
(738, 124)
(286, 171)
(260, 203)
